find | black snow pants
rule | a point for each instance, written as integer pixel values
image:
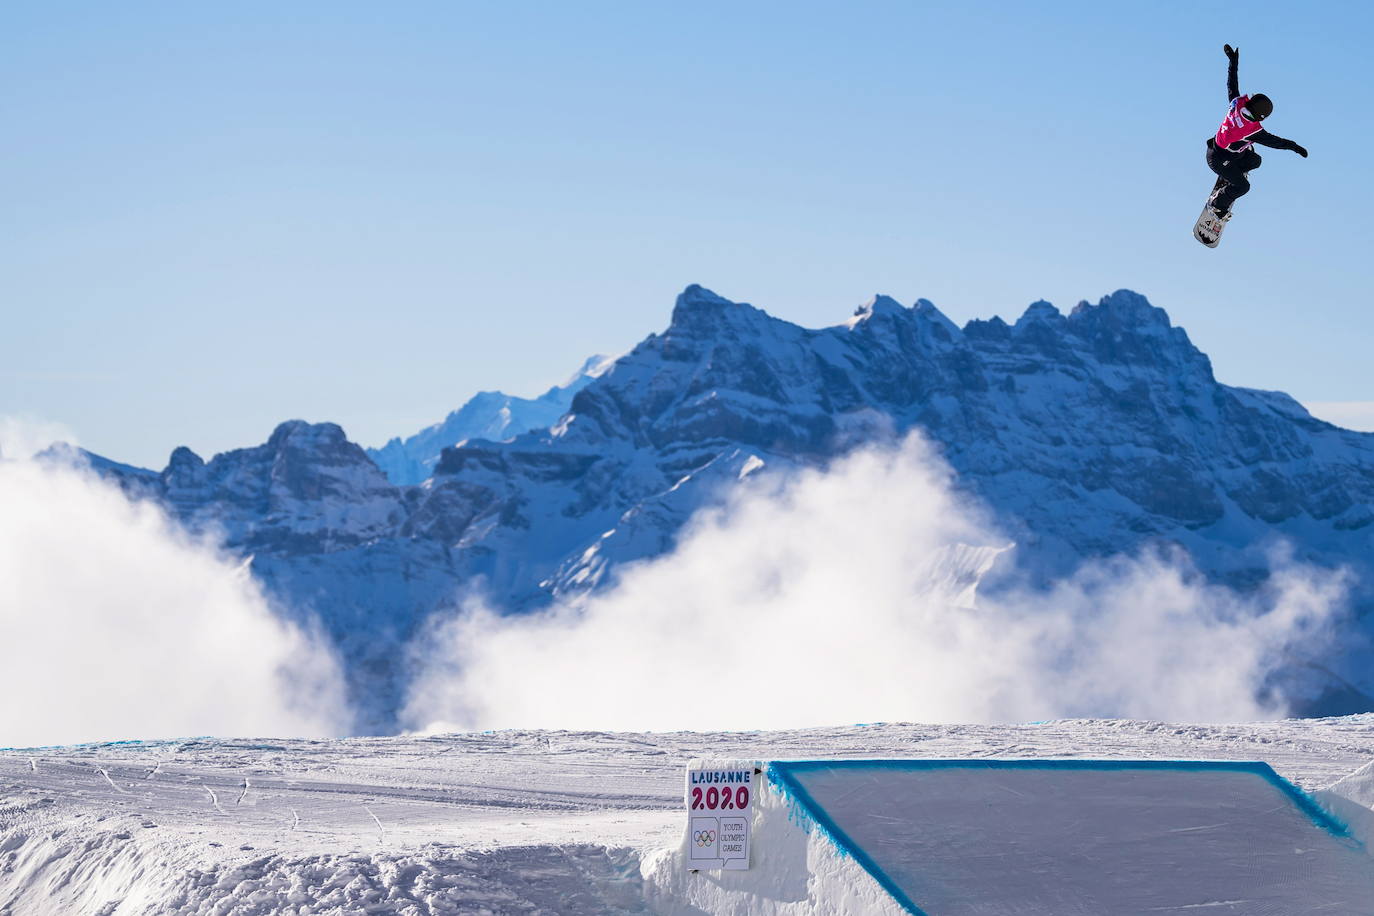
(1231, 169)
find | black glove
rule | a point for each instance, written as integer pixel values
(1300, 150)
(1232, 53)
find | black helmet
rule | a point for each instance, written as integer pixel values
(1259, 107)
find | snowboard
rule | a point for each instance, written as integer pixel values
(1209, 227)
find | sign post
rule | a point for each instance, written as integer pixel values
(720, 807)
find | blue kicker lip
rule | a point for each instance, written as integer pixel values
(780, 774)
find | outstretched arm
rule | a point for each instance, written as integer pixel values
(1232, 73)
(1264, 138)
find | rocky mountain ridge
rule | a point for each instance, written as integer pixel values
(1089, 434)
(492, 415)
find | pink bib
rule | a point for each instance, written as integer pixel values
(1237, 127)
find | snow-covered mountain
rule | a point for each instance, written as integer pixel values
(1089, 434)
(492, 415)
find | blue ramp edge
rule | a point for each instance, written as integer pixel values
(782, 775)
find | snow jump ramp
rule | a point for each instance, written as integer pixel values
(1058, 837)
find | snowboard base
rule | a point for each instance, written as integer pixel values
(1209, 226)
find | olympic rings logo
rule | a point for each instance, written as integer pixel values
(705, 837)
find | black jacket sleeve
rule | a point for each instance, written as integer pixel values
(1233, 79)
(1264, 138)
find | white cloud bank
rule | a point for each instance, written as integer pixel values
(846, 596)
(23, 437)
(114, 624)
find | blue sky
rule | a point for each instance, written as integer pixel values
(220, 216)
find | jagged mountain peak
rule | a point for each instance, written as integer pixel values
(1039, 312)
(699, 311)
(879, 305)
(697, 295)
(183, 457)
(64, 453)
(303, 434)
(926, 309)
(1124, 328)
(993, 328)
(1125, 310)
(1130, 301)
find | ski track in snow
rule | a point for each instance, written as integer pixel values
(512, 821)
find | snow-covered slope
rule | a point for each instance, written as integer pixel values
(490, 415)
(506, 822)
(1089, 434)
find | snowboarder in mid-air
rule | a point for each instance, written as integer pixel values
(1231, 154)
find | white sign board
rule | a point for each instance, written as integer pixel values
(720, 808)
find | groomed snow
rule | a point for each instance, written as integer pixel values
(506, 822)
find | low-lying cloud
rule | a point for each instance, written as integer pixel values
(848, 596)
(115, 624)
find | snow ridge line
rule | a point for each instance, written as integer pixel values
(153, 772)
(214, 800)
(381, 834)
(244, 792)
(296, 823)
(33, 766)
(112, 782)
